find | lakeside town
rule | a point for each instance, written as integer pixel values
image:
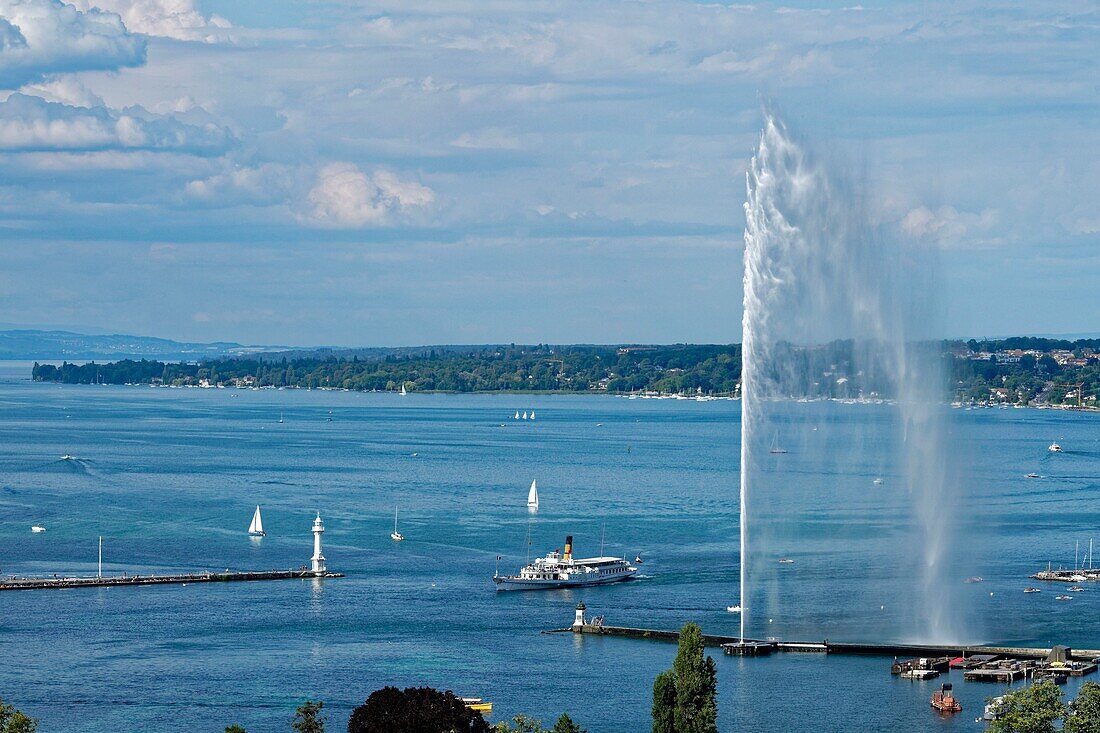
(1019, 371)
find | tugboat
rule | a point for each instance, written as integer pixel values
(944, 700)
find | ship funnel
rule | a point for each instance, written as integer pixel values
(568, 548)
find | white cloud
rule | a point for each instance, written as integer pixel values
(33, 124)
(42, 37)
(178, 19)
(947, 226)
(259, 186)
(345, 197)
(66, 90)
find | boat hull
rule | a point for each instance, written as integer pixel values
(513, 583)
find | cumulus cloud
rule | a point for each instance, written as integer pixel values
(178, 19)
(241, 185)
(947, 226)
(346, 197)
(42, 37)
(32, 124)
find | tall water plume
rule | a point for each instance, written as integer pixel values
(817, 271)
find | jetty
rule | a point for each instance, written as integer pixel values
(316, 569)
(1085, 660)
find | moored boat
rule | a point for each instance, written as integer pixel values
(944, 699)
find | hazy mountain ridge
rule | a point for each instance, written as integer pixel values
(53, 345)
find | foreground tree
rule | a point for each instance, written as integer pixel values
(1033, 709)
(1084, 712)
(14, 721)
(664, 702)
(235, 729)
(307, 718)
(415, 710)
(526, 724)
(685, 698)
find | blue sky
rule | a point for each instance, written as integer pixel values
(512, 170)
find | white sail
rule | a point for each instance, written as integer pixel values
(525, 414)
(257, 526)
(533, 496)
(403, 392)
(532, 414)
(517, 414)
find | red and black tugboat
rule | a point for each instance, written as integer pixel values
(944, 700)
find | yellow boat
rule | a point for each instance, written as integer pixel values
(477, 704)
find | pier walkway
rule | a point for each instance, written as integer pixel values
(228, 576)
(832, 647)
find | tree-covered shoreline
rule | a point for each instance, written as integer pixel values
(1022, 370)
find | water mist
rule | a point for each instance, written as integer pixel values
(817, 270)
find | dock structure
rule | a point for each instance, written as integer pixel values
(317, 569)
(985, 656)
(228, 576)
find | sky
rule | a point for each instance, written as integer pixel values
(461, 171)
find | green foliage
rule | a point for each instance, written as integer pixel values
(235, 729)
(1084, 712)
(308, 718)
(415, 710)
(1034, 709)
(14, 721)
(565, 724)
(520, 724)
(696, 684)
(685, 698)
(527, 724)
(664, 702)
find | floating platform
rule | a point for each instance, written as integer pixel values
(12, 583)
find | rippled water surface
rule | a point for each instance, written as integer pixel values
(170, 477)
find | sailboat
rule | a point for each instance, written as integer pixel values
(532, 414)
(256, 529)
(403, 392)
(517, 415)
(533, 497)
(395, 535)
(281, 421)
(775, 445)
(525, 414)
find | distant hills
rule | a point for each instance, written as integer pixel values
(59, 345)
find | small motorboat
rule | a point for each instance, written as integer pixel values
(1063, 598)
(944, 699)
(975, 579)
(919, 674)
(477, 704)
(877, 482)
(67, 457)
(733, 609)
(38, 528)
(994, 708)
(1076, 589)
(638, 560)
(1055, 448)
(1031, 475)
(1033, 590)
(786, 561)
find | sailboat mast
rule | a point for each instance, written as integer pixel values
(99, 574)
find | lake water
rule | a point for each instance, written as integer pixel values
(170, 478)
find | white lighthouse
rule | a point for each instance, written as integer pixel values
(318, 558)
